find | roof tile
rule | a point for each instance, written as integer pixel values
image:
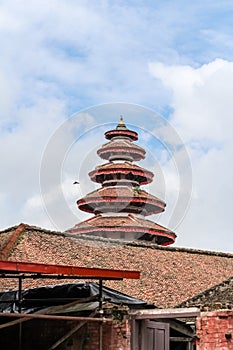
(169, 275)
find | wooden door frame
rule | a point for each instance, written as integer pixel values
(138, 327)
(137, 316)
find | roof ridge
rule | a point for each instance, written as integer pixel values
(150, 245)
(43, 230)
(11, 228)
(226, 283)
(28, 227)
(12, 240)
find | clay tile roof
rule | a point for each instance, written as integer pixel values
(169, 275)
(122, 194)
(122, 143)
(121, 132)
(122, 146)
(217, 297)
(122, 191)
(143, 229)
(119, 223)
(125, 167)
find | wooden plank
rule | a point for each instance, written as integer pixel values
(135, 334)
(50, 310)
(180, 339)
(166, 313)
(53, 317)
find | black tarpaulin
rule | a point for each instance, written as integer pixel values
(42, 297)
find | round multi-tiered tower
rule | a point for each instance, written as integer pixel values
(120, 205)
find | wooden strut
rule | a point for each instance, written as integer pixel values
(50, 310)
(101, 312)
(53, 317)
(20, 298)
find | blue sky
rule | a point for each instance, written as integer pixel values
(165, 59)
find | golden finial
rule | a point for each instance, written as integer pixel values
(121, 124)
(121, 121)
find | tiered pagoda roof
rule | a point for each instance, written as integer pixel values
(121, 199)
(121, 172)
(127, 227)
(114, 151)
(120, 205)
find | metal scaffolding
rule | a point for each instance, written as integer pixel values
(25, 270)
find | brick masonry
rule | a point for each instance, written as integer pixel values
(115, 336)
(215, 330)
(42, 334)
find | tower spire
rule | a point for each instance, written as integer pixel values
(120, 205)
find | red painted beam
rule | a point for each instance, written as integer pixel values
(65, 270)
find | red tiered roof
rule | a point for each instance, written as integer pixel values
(121, 131)
(128, 170)
(128, 227)
(121, 199)
(121, 148)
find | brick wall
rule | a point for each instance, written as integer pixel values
(215, 330)
(120, 336)
(42, 334)
(116, 336)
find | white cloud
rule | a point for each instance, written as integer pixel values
(21, 150)
(203, 104)
(60, 56)
(201, 98)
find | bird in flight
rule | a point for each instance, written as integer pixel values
(75, 183)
